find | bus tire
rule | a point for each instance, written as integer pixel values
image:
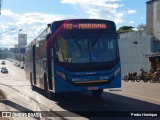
(46, 89)
(97, 93)
(31, 81)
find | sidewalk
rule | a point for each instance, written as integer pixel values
(2, 95)
(2, 106)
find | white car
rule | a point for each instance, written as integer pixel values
(3, 62)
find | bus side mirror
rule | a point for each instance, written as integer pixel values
(44, 63)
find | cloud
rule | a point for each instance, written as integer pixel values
(29, 18)
(131, 22)
(86, 1)
(31, 23)
(99, 9)
(131, 11)
(8, 40)
(8, 12)
(4, 27)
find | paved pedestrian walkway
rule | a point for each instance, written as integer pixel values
(2, 95)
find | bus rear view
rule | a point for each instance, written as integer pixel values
(82, 55)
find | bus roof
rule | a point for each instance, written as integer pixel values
(85, 24)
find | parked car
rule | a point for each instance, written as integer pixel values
(15, 63)
(21, 65)
(4, 70)
(3, 62)
(18, 64)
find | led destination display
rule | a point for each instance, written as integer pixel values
(85, 26)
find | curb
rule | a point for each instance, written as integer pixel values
(2, 95)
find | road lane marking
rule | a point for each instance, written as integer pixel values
(141, 96)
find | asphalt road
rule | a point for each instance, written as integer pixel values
(133, 96)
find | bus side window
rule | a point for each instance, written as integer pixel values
(58, 53)
(44, 63)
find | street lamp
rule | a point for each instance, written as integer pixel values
(8, 30)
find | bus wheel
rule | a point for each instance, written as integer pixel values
(97, 93)
(46, 89)
(31, 81)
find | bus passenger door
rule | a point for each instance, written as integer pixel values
(34, 65)
(52, 66)
(49, 62)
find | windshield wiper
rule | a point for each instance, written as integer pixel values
(97, 37)
(75, 41)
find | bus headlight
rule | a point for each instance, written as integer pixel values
(116, 72)
(62, 75)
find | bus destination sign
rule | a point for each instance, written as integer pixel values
(85, 26)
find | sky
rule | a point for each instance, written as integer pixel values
(32, 16)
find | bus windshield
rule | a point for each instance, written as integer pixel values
(86, 47)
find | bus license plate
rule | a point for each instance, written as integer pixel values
(92, 88)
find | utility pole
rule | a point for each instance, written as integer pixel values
(8, 30)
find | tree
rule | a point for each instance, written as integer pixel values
(4, 53)
(125, 29)
(141, 27)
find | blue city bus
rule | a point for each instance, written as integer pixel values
(74, 55)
